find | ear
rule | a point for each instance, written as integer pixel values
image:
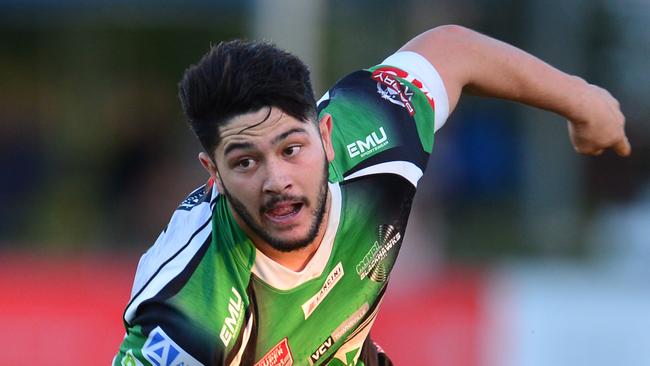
(325, 127)
(211, 168)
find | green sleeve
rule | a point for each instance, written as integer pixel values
(130, 352)
(378, 117)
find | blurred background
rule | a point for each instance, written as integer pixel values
(519, 251)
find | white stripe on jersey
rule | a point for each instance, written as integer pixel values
(405, 169)
(171, 253)
(325, 97)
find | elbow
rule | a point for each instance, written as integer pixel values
(447, 33)
(442, 41)
(450, 29)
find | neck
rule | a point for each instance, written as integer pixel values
(295, 260)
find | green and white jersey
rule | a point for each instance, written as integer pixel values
(204, 295)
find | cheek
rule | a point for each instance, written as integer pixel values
(244, 189)
(313, 175)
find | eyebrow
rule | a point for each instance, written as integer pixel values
(286, 134)
(248, 145)
(237, 145)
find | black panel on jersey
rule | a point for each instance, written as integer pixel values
(371, 356)
(399, 153)
(385, 185)
(180, 329)
(391, 197)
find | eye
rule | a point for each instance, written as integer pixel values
(291, 150)
(245, 163)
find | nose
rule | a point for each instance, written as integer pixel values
(278, 179)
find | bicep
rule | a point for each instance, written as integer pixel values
(442, 46)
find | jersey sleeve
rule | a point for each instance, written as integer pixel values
(178, 313)
(419, 71)
(156, 347)
(384, 118)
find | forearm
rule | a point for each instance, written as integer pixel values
(471, 62)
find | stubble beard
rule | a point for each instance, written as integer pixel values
(278, 243)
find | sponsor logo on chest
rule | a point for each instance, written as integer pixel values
(343, 328)
(332, 279)
(350, 322)
(373, 142)
(320, 351)
(235, 312)
(370, 263)
(280, 355)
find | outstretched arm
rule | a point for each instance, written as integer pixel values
(471, 62)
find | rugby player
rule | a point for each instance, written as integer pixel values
(283, 257)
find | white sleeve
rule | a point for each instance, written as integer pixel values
(421, 69)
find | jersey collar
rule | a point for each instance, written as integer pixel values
(282, 278)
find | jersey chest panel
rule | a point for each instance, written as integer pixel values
(319, 316)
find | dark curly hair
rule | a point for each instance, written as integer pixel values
(239, 77)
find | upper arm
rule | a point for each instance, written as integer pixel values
(443, 47)
(383, 117)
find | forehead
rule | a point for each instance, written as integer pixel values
(259, 127)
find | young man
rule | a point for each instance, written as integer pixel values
(284, 256)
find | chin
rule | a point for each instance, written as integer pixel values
(293, 240)
(289, 243)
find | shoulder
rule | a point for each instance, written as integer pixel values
(188, 230)
(395, 81)
(384, 118)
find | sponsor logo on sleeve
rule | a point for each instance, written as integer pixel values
(195, 198)
(332, 279)
(386, 76)
(393, 91)
(234, 318)
(161, 350)
(371, 264)
(370, 144)
(280, 355)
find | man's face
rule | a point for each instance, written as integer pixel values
(273, 170)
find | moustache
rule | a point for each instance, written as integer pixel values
(274, 200)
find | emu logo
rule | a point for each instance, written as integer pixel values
(370, 144)
(235, 309)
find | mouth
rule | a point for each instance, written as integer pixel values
(283, 212)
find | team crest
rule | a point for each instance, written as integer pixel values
(393, 91)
